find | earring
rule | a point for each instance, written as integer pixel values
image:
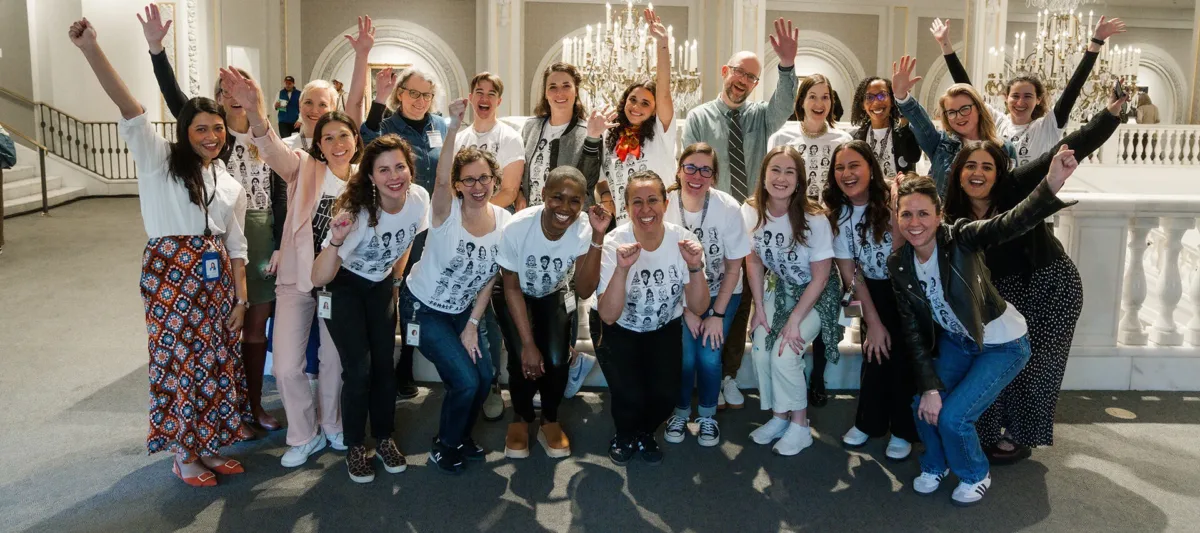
(374, 194)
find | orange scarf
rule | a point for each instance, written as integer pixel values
(628, 145)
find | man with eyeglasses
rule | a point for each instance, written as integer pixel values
(738, 131)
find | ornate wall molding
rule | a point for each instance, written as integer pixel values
(193, 49)
(1158, 60)
(829, 49)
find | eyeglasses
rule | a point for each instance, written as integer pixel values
(485, 180)
(879, 97)
(964, 111)
(742, 72)
(691, 170)
(414, 94)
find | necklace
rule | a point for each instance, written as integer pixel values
(822, 131)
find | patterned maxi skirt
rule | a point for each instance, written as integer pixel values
(1050, 299)
(197, 382)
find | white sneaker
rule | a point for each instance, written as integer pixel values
(773, 429)
(298, 455)
(579, 372)
(721, 400)
(336, 441)
(855, 437)
(970, 493)
(733, 396)
(537, 400)
(927, 483)
(676, 429)
(493, 406)
(710, 432)
(794, 440)
(898, 449)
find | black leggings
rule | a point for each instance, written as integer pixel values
(552, 335)
(363, 329)
(885, 396)
(644, 373)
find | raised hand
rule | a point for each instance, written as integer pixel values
(903, 78)
(1116, 104)
(600, 121)
(941, 32)
(243, 90)
(340, 227)
(1108, 27)
(385, 83)
(785, 42)
(655, 28)
(458, 109)
(693, 253)
(599, 218)
(1061, 168)
(82, 34)
(366, 36)
(628, 254)
(155, 31)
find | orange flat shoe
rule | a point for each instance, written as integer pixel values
(206, 479)
(229, 468)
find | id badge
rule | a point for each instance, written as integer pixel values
(854, 310)
(569, 302)
(435, 139)
(212, 265)
(412, 334)
(325, 305)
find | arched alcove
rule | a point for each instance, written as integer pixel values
(818, 52)
(1171, 96)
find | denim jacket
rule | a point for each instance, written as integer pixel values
(941, 146)
(426, 155)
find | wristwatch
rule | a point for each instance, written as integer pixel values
(695, 270)
(713, 312)
(241, 302)
(474, 320)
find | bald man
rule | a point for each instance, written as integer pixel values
(738, 131)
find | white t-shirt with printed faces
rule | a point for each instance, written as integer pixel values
(456, 264)
(658, 155)
(371, 252)
(882, 145)
(502, 141)
(817, 152)
(331, 188)
(855, 239)
(723, 234)
(780, 253)
(1031, 140)
(539, 168)
(654, 286)
(1007, 327)
(542, 265)
(252, 172)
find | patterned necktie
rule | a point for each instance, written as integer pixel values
(737, 157)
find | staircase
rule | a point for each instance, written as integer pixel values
(23, 186)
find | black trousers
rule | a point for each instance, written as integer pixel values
(286, 129)
(888, 387)
(552, 335)
(644, 372)
(363, 329)
(404, 367)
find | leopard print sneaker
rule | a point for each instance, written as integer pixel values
(358, 463)
(389, 453)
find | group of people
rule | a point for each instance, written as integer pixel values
(473, 237)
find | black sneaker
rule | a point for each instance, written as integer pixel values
(816, 394)
(651, 453)
(621, 450)
(447, 459)
(406, 392)
(471, 451)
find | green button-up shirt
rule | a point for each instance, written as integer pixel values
(707, 122)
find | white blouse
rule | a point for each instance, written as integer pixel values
(166, 207)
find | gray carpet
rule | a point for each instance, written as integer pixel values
(72, 455)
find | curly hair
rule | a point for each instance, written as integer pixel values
(958, 204)
(470, 155)
(645, 132)
(858, 115)
(1039, 90)
(326, 119)
(360, 190)
(879, 196)
(798, 207)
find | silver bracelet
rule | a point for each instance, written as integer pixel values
(474, 321)
(594, 245)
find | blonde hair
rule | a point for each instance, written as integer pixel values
(987, 127)
(324, 85)
(393, 102)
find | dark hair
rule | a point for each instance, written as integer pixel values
(335, 116)
(692, 149)
(470, 155)
(958, 204)
(837, 111)
(645, 132)
(360, 190)
(184, 164)
(1039, 89)
(543, 107)
(645, 175)
(488, 77)
(806, 85)
(879, 195)
(798, 207)
(914, 184)
(858, 115)
(566, 173)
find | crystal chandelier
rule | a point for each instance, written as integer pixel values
(1058, 45)
(619, 52)
(1057, 6)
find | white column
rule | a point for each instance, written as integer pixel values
(1093, 234)
(1194, 107)
(505, 52)
(750, 32)
(1134, 294)
(987, 21)
(1193, 326)
(1170, 286)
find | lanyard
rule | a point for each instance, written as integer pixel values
(703, 213)
(849, 295)
(207, 200)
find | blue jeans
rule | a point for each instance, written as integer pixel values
(708, 371)
(972, 379)
(466, 382)
(490, 339)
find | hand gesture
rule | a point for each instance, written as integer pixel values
(790, 337)
(599, 218)
(693, 322)
(931, 405)
(759, 319)
(236, 318)
(877, 344)
(155, 31)
(458, 109)
(903, 78)
(340, 227)
(385, 83)
(1116, 104)
(243, 90)
(941, 32)
(713, 331)
(366, 36)
(628, 254)
(693, 253)
(1108, 27)
(600, 121)
(1061, 168)
(531, 362)
(82, 34)
(655, 26)
(785, 42)
(470, 341)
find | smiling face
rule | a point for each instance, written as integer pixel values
(878, 110)
(391, 174)
(564, 201)
(484, 100)
(782, 176)
(337, 143)
(314, 104)
(978, 175)
(966, 123)
(817, 103)
(561, 93)
(1022, 99)
(646, 204)
(639, 106)
(696, 183)
(853, 175)
(206, 134)
(480, 192)
(736, 77)
(415, 108)
(919, 219)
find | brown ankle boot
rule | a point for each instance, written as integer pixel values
(516, 443)
(553, 440)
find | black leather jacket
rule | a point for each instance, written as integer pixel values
(967, 282)
(905, 150)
